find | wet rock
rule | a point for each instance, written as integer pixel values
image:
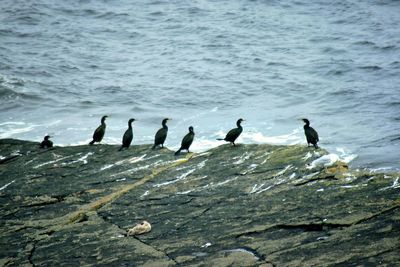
(256, 205)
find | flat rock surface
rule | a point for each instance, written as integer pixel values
(250, 205)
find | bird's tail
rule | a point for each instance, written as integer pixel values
(220, 139)
(316, 146)
(91, 143)
(121, 148)
(177, 152)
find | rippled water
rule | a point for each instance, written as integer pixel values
(64, 64)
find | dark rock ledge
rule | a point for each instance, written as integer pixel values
(251, 205)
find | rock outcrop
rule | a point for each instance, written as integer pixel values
(250, 205)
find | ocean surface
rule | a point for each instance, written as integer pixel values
(205, 63)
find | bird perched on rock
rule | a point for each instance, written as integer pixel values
(311, 134)
(46, 143)
(161, 134)
(128, 136)
(99, 132)
(186, 141)
(233, 134)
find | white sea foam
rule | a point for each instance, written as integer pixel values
(381, 169)
(259, 138)
(202, 144)
(13, 131)
(12, 123)
(106, 140)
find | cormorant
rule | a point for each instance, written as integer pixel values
(234, 133)
(46, 143)
(128, 136)
(161, 134)
(311, 134)
(186, 141)
(99, 132)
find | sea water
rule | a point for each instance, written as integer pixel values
(205, 63)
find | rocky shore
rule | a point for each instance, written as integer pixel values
(250, 205)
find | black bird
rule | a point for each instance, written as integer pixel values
(186, 141)
(46, 143)
(234, 133)
(161, 134)
(99, 132)
(311, 134)
(128, 136)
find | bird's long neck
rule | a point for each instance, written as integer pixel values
(307, 125)
(164, 125)
(103, 121)
(130, 125)
(238, 125)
